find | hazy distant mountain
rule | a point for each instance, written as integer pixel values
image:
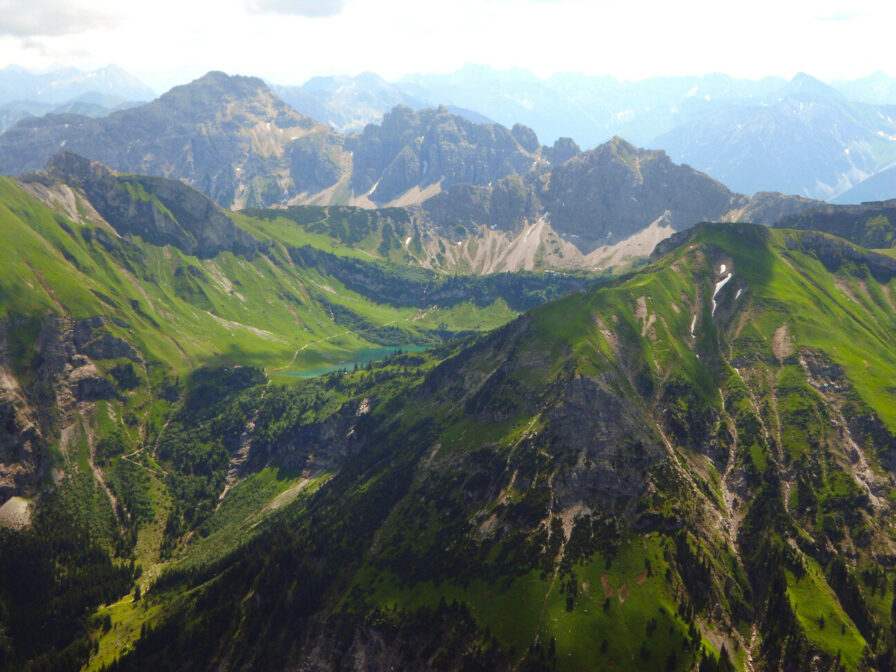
(346, 103)
(806, 139)
(879, 187)
(233, 139)
(588, 109)
(88, 104)
(350, 103)
(508, 97)
(66, 84)
(877, 88)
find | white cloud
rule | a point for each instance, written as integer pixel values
(841, 15)
(311, 8)
(31, 18)
(172, 41)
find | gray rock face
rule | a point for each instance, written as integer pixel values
(604, 196)
(227, 136)
(431, 146)
(61, 374)
(92, 340)
(159, 210)
(871, 225)
(507, 205)
(611, 192)
(562, 151)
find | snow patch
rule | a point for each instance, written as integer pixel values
(693, 324)
(721, 283)
(739, 292)
(722, 269)
(407, 241)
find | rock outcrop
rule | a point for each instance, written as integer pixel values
(42, 386)
(159, 210)
(871, 225)
(420, 149)
(230, 137)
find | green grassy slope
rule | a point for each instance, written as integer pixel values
(99, 337)
(664, 473)
(258, 309)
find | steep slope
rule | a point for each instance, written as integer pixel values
(159, 210)
(609, 193)
(689, 468)
(229, 137)
(603, 197)
(433, 148)
(871, 225)
(806, 139)
(233, 139)
(108, 272)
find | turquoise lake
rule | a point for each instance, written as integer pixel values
(360, 357)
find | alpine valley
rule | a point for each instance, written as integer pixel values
(431, 395)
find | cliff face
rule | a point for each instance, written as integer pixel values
(870, 225)
(159, 210)
(421, 149)
(43, 386)
(229, 137)
(233, 139)
(605, 196)
(608, 194)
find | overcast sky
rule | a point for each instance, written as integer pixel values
(165, 42)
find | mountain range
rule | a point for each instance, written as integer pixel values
(95, 94)
(433, 395)
(684, 467)
(759, 127)
(146, 271)
(233, 139)
(62, 85)
(824, 145)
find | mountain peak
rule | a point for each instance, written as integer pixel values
(219, 84)
(75, 169)
(804, 85)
